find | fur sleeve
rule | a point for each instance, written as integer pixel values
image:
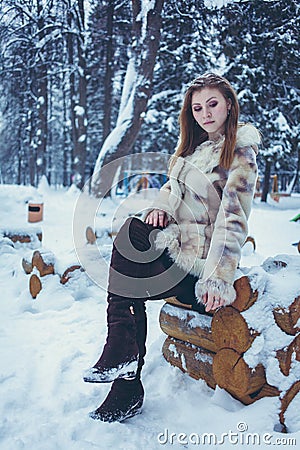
(230, 229)
(161, 201)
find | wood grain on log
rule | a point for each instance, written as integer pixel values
(233, 374)
(230, 330)
(285, 355)
(245, 296)
(287, 399)
(287, 318)
(266, 391)
(191, 359)
(43, 267)
(35, 285)
(187, 325)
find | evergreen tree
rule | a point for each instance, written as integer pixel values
(260, 42)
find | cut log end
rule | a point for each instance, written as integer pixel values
(266, 391)
(35, 286)
(90, 235)
(287, 318)
(245, 296)
(286, 355)
(230, 330)
(233, 374)
(43, 267)
(27, 266)
(287, 399)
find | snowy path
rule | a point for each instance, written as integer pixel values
(46, 344)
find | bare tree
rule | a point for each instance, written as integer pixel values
(146, 24)
(41, 95)
(80, 118)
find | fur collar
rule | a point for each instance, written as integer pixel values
(247, 134)
(207, 155)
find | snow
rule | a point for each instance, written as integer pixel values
(192, 318)
(280, 288)
(217, 3)
(124, 121)
(46, 344)
(146, 7)
(79, 110)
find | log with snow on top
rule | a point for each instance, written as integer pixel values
(253, 345)
(25, 234)
(42, 263)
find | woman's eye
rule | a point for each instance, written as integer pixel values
(213, 104)
(197, 108)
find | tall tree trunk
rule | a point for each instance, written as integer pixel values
(296, 185)
(106, 123)
(32, 147)
(267, 177)
(79, 118)
(78, 102)
(66, 141)
(70, 51)
(42, 101)
(136, 91)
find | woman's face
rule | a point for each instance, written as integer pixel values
(210, 110)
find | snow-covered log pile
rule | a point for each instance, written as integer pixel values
(251, 348)
(26, 234)
(43, 263)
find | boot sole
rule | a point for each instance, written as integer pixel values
(127, 370)
(133, 411)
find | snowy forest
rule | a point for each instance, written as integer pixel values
(90, 96)
(84, 82)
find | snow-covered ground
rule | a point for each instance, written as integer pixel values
(47, 343)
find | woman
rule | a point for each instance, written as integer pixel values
(189, 244)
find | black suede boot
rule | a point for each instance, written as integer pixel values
(120, 355)
(124, 400)
(141, 330)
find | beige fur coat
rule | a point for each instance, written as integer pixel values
(208, 209)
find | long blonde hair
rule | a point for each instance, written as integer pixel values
(191, 134)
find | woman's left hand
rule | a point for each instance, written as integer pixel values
(212, 302)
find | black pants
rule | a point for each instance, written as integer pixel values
(140, 272)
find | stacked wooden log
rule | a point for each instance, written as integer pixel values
(43, 263)
(23, 236)
(218, 347)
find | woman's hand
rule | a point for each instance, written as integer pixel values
(157, 218)
(212, 302)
